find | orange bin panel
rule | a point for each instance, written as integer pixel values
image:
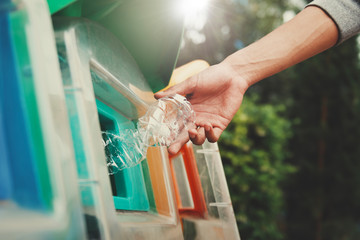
(156, 169)
(192, 174)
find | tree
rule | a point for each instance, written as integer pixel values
(253, 149)
(321, 99)
(325, 146)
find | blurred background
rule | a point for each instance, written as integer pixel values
(292, 152)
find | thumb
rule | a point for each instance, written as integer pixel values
(184, 88)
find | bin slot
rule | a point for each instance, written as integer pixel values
(128, 185)
(182, 182)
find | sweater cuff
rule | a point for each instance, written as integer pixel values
(344, 13)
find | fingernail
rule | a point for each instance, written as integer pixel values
(159, 92)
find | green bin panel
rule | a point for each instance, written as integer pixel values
(57, 5)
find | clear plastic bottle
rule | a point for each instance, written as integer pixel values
(164, 120)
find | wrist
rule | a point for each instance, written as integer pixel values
(231, 74)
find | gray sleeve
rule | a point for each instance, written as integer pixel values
(345, 14)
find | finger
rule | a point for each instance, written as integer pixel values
(184, 88)
(192, 133)
(175, 146)
(205, 118)
(212, 134)
(200, 136)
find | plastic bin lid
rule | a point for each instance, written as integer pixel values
(150, 30)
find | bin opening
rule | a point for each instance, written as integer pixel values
(128, 185)
(106, 124)
(183, 186)
(117, 182)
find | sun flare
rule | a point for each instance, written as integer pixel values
(193, 10)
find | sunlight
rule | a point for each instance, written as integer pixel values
(194, 11)
(193, 7)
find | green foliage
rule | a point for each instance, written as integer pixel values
(253, 149)
(322, 101)
(231, 25)
(325, 147)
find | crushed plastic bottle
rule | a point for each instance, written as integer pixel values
(165, 119)
(161, 125)
(123, 151)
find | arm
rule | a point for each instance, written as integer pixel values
(217, 92)
(306, 35)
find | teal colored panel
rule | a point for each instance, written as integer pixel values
(75, 124)
(129, 187)
(57, 5)
(151, 197)
(87, 194)
(111, 96)
(73, 115)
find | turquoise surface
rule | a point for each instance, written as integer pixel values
(129, 191)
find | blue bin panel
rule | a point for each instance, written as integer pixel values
(17, 159)
(5, 183)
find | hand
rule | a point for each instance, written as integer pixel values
(215, 95)
(217, 92)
